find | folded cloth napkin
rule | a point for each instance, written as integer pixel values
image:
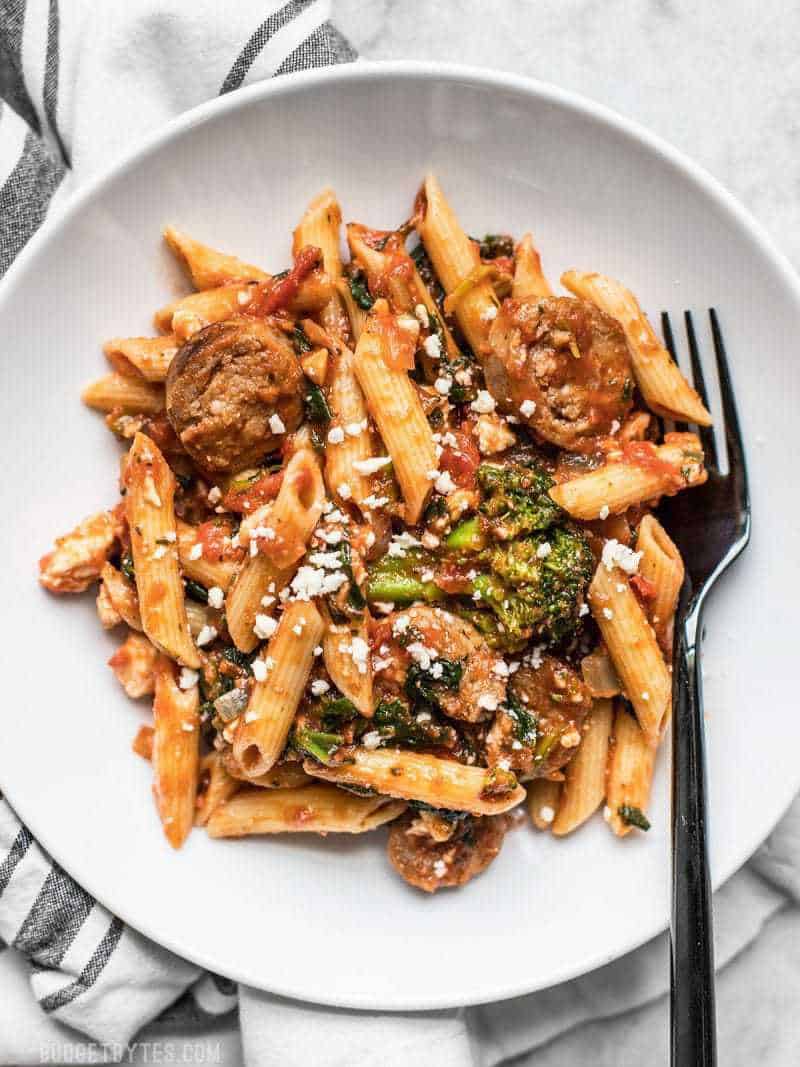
(80, 82)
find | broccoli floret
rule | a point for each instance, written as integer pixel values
(423, 685)
(398, 579)
(534, 589)
(516, 499)
(398, 724)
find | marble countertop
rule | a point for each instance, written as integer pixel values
(720, 81)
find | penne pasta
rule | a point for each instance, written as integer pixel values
(176, 752)
(351, 675)
(357, 316)
(395, 406)
(442, 783)
(320, 809)
(132, 396)
(543, 799)
(630, 774)
(643, 472)
(319, 228)
(349, 409)
(215, 787)
(122, 596)
(148, 357)
(661, 565)
(150, 488)
(632, 646)
(659, 378)
(457, 262)
(585, 774)
(207, 572)
(207, 267)
(529, 280)
(198, 616)
(262, 732)
(254, 593)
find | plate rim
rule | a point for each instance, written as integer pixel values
(424, 71)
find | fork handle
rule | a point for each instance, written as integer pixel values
(692, 1016)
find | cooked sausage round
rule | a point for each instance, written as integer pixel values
(568, 360)
(430, 864)
(223, 387)
(546, 734)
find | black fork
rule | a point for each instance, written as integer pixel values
(711, 526)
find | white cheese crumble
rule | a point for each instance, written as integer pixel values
(619, 555)
(546, 813)
(400, 542)
(214, 494)
(440, 868)
(527, 408)
(444, 484)
(371, 740)
(370, 466)
(335, 435)
(608, 614)
(216, 598)
(443, 385)
(315, 581)
(264, 627)
(188, 678)
(355, 429)
(319, 686)
(276, 424)
(432, 346)
(544, 550)
(206, 636)
(604, 511)
(489, 313)
(483, 402)
(345, 492)
(374, 502)
(488, 701)
(196, 551)
(187, 727)
(259, 669)
(422, 315)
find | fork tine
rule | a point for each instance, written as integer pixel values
(706, 432)
(733, 433)
(666, 333)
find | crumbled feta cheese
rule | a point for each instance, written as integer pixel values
(546, 813)
(619, 555)
(401, 542)
(571, 738)
(488, 701)
(370, 466)
(276, 424)
(527, 408)
(385, 607)
(544, 550)
(583, 610)
(374, 502)
(516, 745)
(329, 560)
(344, 491)
(265, 627)
(432, 346)
(216, 598)
(608, 614)
(424, 716)
(489, 313)
(371, 740)
(493, 434)
(243, 297)
(483, 402)
(259, 669)
(440, 868)
(430, 540)
(501, 669)
(187, 727)
(267, 601)
(603, 513)
(253, 548)
(214, 494)
(297, 630)
(187, 678)
(160, 552)
(444, 484)
(422, 315)
(401, 624)
(206, 636)
(150, 492)
(645, 695)
(319, 686)
(615, 426)
(330, 537)
(196, 551)
(443, 385)
(318, 650)
(355, 429)
(309, 582)
(335, 435)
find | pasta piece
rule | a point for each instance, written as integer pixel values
(348, 662)
(585, 774)
(262, 732)
(543, 800)
(176, 752)
(207, 572)
(198, 616)
(356, 315)
(319, 228)
(661, 565)
(106, 612)
(663, 387)
(207, 267)
(134, 664)
(320, 809)
(442, 783)
(150, 489)
(122, 595)
(79, 556)
(132, 396)
(395, 406)
(457, 262)
(529, 280)
(630, 774)
(288, 521)
(148, 357)
(143, 742)
(645, 471)
(282, 776)
(216, 786)
(254, 593)
(632, 646)
(349, 408)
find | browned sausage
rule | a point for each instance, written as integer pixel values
(562, 365)
(554, 703)
(429, 864)
(223, 387)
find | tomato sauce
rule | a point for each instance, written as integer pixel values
(211, 535)
(461, 461)
(252, 496)
(274, 296)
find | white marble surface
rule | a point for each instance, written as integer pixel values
(719, 80)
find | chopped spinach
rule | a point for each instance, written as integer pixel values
(632, 816)
(317, 409)
(359, 290)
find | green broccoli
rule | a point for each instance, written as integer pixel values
(535, 584)
(398, 579)
(516, 499)
(397, 723)
(423, 685)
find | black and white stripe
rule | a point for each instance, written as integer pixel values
(88, 969)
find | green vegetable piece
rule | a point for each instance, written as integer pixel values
(359, 290)
(316, 405)
(632, 816)
(396, 579)
(240, 659)
(516, 499)
(126, 566)
(495, 245)
(301, 341)
(318, 744)
(334, 712)
(195, 591)
(467, 536)
(423, 685)
(397, 724)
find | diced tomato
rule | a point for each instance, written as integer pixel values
(252, 496)
(461, 461)
(211, 535)
(644, 454)
(645, 589)
(452, 578)
(273, 296)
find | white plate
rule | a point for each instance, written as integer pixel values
(328, 920)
